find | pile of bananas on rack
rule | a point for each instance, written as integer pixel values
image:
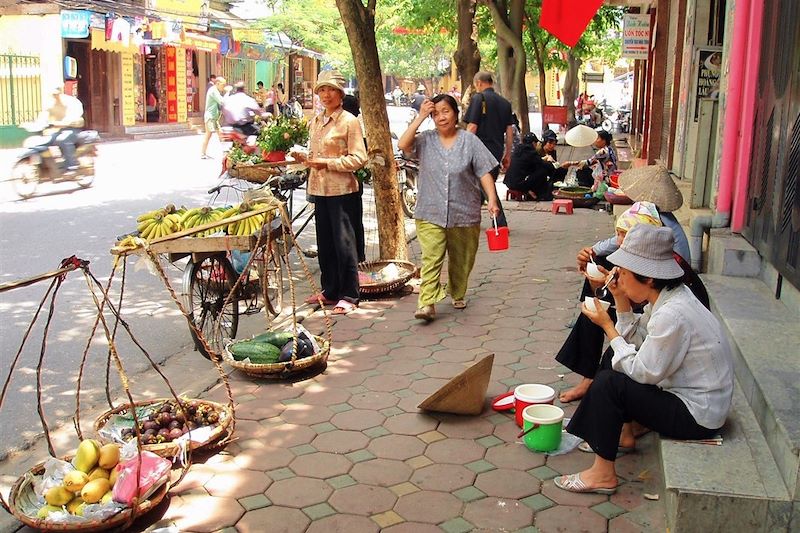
(245, 226)
(159, 223)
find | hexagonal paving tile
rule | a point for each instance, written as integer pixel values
(357, 419)
(276, 391)
(321, 465)
(299, 492)
(463, 427)
(238, 484)
(302, 414)
(258, 410)
(381, 472)
(410, 424)
(195, 478)
(363, 500)
(205, 513)
(400, 367)
(321, 395)
(412, 527)
(428, 385)
(340, 441)
(279, 520)
(579, 518)
(264, 459)
(455, 355)
(400, 447)
(373, 400)
(495, 513)
(428, 506)
(343, 523)
(507, 483)
(514, 455)
(443, 370)
(387, 383)
(455, 451)
(445, 478)
(283, 435)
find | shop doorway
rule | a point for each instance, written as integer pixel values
(152, 84)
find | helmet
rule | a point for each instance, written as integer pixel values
(421, 88)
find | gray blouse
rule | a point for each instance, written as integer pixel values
(449, 187)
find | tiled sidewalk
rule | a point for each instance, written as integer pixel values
(348, 450)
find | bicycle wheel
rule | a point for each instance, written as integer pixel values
(207, 284)
(272, 279)
(408, 190)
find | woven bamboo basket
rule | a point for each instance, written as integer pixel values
(280, 369)
(171, 449)
(22, 496)
(257, 173)
(577, 195)
(406, 268)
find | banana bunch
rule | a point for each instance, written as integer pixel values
(159, 225)
(245, 226)
(199, 216)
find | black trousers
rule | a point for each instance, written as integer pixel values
(356, 213)
(614, 399)
(501, 218)
(336, 245)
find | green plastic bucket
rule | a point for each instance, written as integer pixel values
(546, 423)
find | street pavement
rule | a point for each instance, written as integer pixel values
(348, 449)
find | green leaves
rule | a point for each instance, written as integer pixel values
(282, 134)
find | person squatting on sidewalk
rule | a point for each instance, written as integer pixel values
(454, 166)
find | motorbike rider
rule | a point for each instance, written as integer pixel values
(239, 110)
(66, 113)
(418, 98)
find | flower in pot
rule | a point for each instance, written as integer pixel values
(277, 138)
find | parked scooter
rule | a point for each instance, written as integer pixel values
(407, 171)
(41, 160)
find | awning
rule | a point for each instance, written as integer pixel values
(283, 42)
(203, 43)
(99, 43)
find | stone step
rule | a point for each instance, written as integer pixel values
(147, 128)
(163, 134)
(730, 255)
(764, 337)
(732, 487)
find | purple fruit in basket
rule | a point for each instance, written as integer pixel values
(175, 433)
(180, 417)
(191, 424)
(151, 432)
(164, 419)
(212, 418)
(166, 408)
(163, 432)
(174, 424)
(150, 424)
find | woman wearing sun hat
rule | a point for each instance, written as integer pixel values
(672, 366)
(336, 150)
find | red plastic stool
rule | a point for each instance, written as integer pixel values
(558, 204)
(515, 195)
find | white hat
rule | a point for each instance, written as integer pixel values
(580, 136)
(421, 87)
(647, 251)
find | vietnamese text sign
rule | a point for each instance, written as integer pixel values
(709, 63)
(193, 13)
(128, 90)
(172, 84)
(180, 68)
(75, 24)
(636, 36)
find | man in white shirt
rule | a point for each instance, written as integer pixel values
(65, 112)
(239, 110)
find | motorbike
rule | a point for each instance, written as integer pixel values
(407, 172)
(41, 161)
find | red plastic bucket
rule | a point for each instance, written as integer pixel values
(497, 237)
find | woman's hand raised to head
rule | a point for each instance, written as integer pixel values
(426, 108)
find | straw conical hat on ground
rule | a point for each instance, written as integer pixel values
(580, 136)
(652, 184)
(465, 394)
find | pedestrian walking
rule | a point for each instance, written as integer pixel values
(336, 151)
(212, 113)
(453, 168)
(489, 117)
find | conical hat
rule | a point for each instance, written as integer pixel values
(580, 136)
(652, 184)
(465, 394)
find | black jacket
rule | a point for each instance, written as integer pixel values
(526, 167)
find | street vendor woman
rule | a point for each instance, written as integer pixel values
(672, 368)
(336, 150)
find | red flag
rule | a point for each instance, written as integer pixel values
(568, 19)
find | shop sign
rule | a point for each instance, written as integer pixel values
(251, 35)
(180, 65)
(128, 90)
(172, 84)
(200, 42)
(635, 36)
(75, 24)
(709, 64)
(255, 52)
(193, 13)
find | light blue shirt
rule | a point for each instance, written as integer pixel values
(608, 246)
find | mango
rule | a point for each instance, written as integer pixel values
(75, 506)
(58, 496)
(45, 511)
(113, 475)
(109, 456)
(107, 497)
(75, 480)
(97, 473)
(94, 490)
(87, 455)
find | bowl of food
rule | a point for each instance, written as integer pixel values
(594, 272)
(589, 303)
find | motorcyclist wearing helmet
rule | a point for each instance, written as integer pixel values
(239, 110)
(418, 98)
(66, 113)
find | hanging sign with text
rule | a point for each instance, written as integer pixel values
(128, 90)
(709, 64)
(172, 84)
(636, 36)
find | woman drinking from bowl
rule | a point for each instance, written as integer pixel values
(454, 166)
(672, 369)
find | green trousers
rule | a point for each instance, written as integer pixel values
(460, 245)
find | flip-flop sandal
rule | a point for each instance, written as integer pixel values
(622, 450)
(343, 307)
(459, 304)
(315, 298)
(574, 483)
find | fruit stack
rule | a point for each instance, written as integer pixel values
(171, 422)
(90, 482)
(272, 347)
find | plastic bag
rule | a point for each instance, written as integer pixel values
(571, 179)
(154, 473)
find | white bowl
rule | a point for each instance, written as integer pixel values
(590, 304)
(594, 273)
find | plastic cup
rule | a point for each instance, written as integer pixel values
(546, 423)
(531, 394)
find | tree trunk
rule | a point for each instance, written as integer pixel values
(539, 52)
(467, 56)
(571, 87)
(511, 59)
(359, 23)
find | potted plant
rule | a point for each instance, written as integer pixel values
(277, 138)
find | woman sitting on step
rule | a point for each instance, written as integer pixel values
(672, 367)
